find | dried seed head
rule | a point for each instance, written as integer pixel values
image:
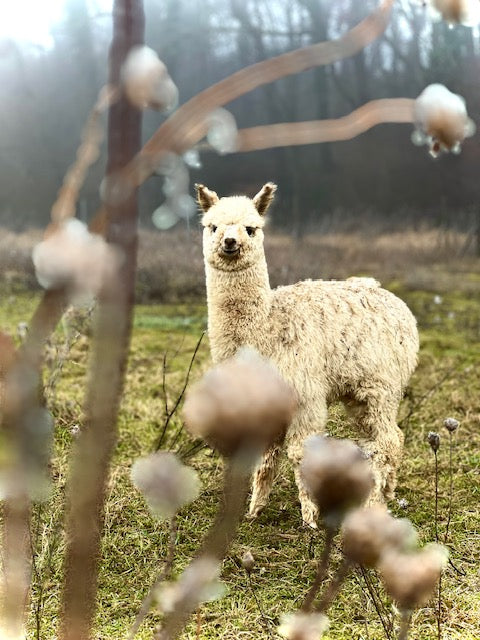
(198, 583)
(248, 561)
(441, 120)
(337, 476)
(368, 533)
(433, 440)
(466, 12)
(165, 483)
(146, 81)
(403, 503)
(242, 402)
(303, 626)
(410, 579)
(451, 424)
(74, 258)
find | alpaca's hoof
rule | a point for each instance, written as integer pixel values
(311, 524)
(254, 512)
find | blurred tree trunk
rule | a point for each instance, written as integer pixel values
(90, 465)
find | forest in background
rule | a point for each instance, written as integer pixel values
(380, 176)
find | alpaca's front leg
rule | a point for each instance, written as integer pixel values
(311, 419)
(263, 480)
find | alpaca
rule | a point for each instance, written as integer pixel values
(331, 340)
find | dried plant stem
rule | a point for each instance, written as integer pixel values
(321, 570)
(221, 534)
(161, 577)
(287, 134)
(450, 489)
(171, 412)
(439, 608)
(90, 466)
(22, 381)
(16, 564)
(87, 154)
(266, 621)
(406, 617)
(436, 496)
(377, 603)
(187, 125)
(334, 586)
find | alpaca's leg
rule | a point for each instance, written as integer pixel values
(307, 422)
(263, 480)
(381, 439)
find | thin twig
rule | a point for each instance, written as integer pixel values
(334, 586)
(172, 412)
(321, 570)
(220, 535)
(266, 621)
(436, 496)
(288, 134)
(414, 407)
(439, 608)
(378, 604)
(163, 575)
(450, 496)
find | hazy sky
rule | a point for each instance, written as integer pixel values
(31, 20)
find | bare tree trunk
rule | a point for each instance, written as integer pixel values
(90, 467)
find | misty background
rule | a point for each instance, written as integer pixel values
(381, 178)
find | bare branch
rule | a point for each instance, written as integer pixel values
(315, 131)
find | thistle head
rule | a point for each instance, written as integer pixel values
(337, 476)
(241, 403)
(369, 532)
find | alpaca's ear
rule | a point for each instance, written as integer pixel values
(264, 197)
(205, 197)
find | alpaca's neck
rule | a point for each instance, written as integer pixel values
(238, 304)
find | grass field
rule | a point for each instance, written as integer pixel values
(447, 383)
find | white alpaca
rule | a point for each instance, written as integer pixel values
(348, 340)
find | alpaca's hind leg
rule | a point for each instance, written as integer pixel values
(307, 422)
(263, 480)
(381, 439)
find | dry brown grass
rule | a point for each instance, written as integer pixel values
(170, 267)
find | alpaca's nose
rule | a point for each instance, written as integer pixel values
(230, 243)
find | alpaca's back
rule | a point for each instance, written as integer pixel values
(338, 335)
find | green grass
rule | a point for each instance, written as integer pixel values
(447, 383)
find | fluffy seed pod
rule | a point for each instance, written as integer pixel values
(248, 561)
(441, 120)
(368, 533)
(165, 483)
(198, 583)
(410, 579)
(146, 81)
(74, 258)
(433, 440)
(337, 476)
(466, 12)
(451, 424)
(303, 626)
(242, 402)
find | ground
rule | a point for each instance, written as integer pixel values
(447, 383)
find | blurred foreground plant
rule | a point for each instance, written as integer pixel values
(241, 407)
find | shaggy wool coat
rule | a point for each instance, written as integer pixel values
(331, 340)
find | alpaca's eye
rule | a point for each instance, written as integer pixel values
(250, 231)
(213, 228)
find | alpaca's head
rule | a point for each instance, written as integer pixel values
(232, 227)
